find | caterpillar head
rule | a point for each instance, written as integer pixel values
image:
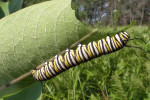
(124, 37)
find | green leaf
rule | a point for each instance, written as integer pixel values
(30, 93)
(9, 7)
(3, 9)
(15, 5)
(1, 13)
(33, 35)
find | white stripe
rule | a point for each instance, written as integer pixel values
(105, 49)
(62, 65)
(124, 36)
(40, 74)
(85, 54)
(68, 59)
(42, 69)
(113, 44)
(96, 49)
(92, 49)
(52, 70)
(117, 36)
(57, 63)
(108, 39)
(72, 58)
(80, 54)
(100, 43)
(48, 70)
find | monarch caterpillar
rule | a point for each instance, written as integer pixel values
(82, 54)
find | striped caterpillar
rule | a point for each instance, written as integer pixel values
(82, 54)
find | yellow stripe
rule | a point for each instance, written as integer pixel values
(127, 34)
(77, 55)
(99, 48)
(47, 74)
(43, 70)
(72, 53)
(122, 37)
(39, 75)
(85, 49)
(60, 57)
(50, 63)
(106, 45)
(118, 44)
(56, 66)
(96, 45)
(115, 42)
(66, 63)
(89, 52)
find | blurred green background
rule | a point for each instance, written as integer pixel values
(123, 75)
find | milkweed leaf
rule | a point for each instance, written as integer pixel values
(33, 35)
(30, 93)
(9, 7)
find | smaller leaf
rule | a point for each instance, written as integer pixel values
(15, 5)
(9, 7)
(4, 9)
(30, 93)
(1, 13)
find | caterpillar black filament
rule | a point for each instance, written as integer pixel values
(82, 54)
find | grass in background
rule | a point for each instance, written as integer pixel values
(124, 74)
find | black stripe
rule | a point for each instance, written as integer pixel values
(45, 74)
(113, 49)
(64, 62)
(127, 35)
(70, 58)
(120, 39)
(124, 36)
(108, 47)
(54, 69)
(42, 74)
(93, 49)
(100, 48)
(87, 53)
(70, 54)
(79, 56)
(103, 47)
(60, 64)
(50, 69)
(97, 55)
(83, 54)
(75, 57)
(59, 67)
(117, 44)
(114, 43)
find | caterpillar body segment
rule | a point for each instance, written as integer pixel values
(82, 54)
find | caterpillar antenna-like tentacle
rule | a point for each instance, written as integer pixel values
(137, 39)
(137, 48)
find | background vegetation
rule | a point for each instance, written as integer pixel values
(124, 74)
